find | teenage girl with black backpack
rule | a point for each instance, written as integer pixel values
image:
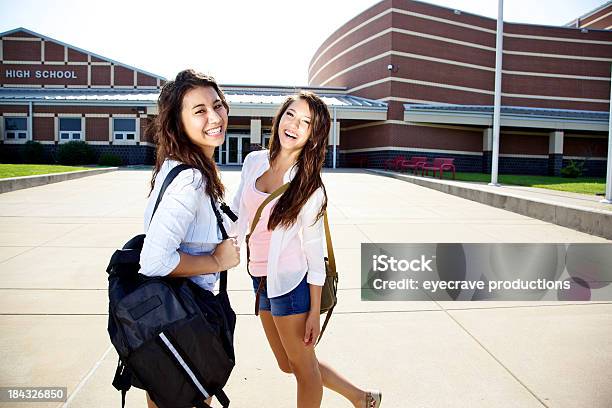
(183, 238)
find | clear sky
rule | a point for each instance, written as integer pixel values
(239, 42)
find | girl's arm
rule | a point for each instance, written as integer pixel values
(223, 258)
(312, 329)
(313, 238)
(313, 243)
(168, 228)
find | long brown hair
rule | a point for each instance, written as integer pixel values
(308, 165)
(172, 141)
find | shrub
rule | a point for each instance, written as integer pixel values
(33, 152)
(573, 169)
(74, 153)
(109, 159)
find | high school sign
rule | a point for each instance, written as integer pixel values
(39, 74)
(28, 73)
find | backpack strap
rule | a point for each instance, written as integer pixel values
(222, 398)
(331, 260)
(167, 181)
(330, 249)
(271, 197)
(262, 281)
(122, 380)
(226, 209)
(223, 283)
(327, 317)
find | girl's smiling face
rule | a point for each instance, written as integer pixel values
(294, 127)
(204, 118)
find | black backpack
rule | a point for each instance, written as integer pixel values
(174, 338)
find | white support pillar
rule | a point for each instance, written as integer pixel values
(497, 98)
(30, 121)
(256, 131)
(487, 140)
(555, 152)
(555, 142)
(608, 197)
(487, 147)
(333, 139)
(137, 129)
(56, 129)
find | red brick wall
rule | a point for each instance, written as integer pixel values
(76, 56)
(123, 76)
(591, 23)
(146, 80)
(53, 51)
(412, 136)
(20, 50)
(100, 75)
(44, 128)
(420, 78)
(96, 129)
(523, 144)
(13, 108)
(30, 53)
(84, 109)
(581, 146)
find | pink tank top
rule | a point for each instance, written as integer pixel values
(259, 244)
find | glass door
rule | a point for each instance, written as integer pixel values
(219, 154)
(232, 153)
(236, 148)
(266, 141)
(245, 147)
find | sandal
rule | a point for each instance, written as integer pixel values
(373, 398)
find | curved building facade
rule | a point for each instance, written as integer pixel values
(435, 69)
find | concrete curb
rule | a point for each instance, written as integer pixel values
(19, 183)
(589, 220)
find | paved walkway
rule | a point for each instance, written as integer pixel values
(538, 194)
(55, 241)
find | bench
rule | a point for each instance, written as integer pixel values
(439, 164)
(394, 163)
(414, 163)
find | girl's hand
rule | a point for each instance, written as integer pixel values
(313, 328)
(227, 254)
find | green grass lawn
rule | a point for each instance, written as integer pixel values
(19, 170)
(583, 185)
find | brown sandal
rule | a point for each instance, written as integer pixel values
(373, 399)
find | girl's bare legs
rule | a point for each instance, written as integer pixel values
(330, 378)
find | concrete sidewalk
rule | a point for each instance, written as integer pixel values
(581, 212)
(55, 242)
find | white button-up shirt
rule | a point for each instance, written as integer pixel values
(280, 278)
(184, 221)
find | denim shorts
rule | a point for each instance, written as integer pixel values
(295, 302)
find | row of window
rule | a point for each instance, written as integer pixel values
(124, 129)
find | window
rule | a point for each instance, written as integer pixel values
(266, 141)
(124, 130)
(15, 128)
(70, 129)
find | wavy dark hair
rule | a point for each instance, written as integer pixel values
(309, 162)
(172, 141)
